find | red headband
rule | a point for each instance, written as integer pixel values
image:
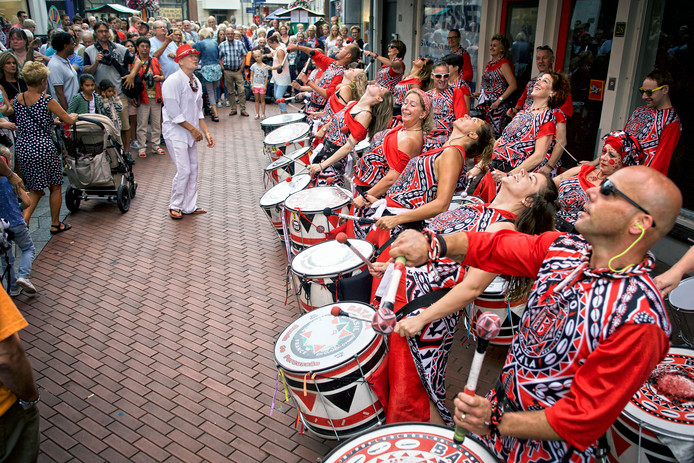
(426, 99)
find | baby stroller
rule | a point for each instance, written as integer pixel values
(97, 166)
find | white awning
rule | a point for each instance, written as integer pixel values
(221, 4)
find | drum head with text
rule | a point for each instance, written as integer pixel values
(282, 119)
(331, 258)
(409, 443)
(287, 133)
(282, 190)
(319, 340)
(318, 199)
(665, 403)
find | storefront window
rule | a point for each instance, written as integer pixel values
(667, 45)
(440, 16)
(588, 51)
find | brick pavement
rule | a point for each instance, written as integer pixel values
(152, 339)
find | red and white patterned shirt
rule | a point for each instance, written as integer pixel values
(658, 131)
(387, 77)
(372, 166)
(401, 88)
(493, 82)
(517, 142)
(573, 194)
(588, 339)
(448, 106)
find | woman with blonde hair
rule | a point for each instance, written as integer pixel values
(36, 153)
(332, 38)
(370, 114)
(351, 88)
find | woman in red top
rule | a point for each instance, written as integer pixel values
(150, 99)
(498, 84)
(419, 77)
(393, 66)
(620, 150)
(430, 180)
(525, 142)
(371, 114)
(351, 88)
(400, 144)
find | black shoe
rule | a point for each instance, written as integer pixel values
(129, 159)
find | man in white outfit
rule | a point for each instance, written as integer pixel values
(183, 124)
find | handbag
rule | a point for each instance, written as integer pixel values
(6, 140)
(211, 72)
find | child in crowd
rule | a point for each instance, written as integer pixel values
(259, 75)
(110, 102)
(85, 101)
(18, 234)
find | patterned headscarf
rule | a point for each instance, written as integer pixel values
(426, 99)
(626, 145)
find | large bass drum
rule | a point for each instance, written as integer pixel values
(410, 442)
(326, 363)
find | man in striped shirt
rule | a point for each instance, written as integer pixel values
(231, 54)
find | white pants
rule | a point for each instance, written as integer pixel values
(144, 112)
(184, 189)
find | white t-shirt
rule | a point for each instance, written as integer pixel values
(62, 74)
(260, 73)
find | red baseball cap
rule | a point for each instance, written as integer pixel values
(185, 50)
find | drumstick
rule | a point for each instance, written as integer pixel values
(342, 238)
(384, 318)
(338, 312)
(363, 220)
(366, 69)
(488, 327)
(284, 100)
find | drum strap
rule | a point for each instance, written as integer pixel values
(422, 301)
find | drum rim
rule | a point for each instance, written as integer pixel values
(327, 275)
(298, 135)
(636, 414)
(686, 281)
(294, 178)
(265, 123)
(348, 200)
(331, 305)
(473, 438)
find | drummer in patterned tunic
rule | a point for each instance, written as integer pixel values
(332, 72)
(619, 150)
(448, 105)
(455, 79)
(525, 142)
(594, 327)
(371, 114)
(656, 126)
(393, 66)
(498, 84)
(351, 88)
(419, 77)
(417, 378)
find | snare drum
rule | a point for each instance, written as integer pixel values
(271, 201)
(682, 300)
(326, 363)
(288, 165)
(410, 442)
(305, 219)
(316, 271)
(493, 299)
(279, 139)
(655, 416)
(275, 122)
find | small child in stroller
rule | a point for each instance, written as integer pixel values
(110, 102)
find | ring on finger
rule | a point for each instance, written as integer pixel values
(462, 417)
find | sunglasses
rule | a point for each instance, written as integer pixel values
(392, 46)
(608, 188)
(441, 76)
(650, 92)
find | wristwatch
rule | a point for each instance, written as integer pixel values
(26, 405)
(501, 98)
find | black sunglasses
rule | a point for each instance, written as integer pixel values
(607, 188)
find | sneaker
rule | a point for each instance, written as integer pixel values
(219, 104)
(227, 104)
(25, 284)
(143, 154)
(134, 145)
(158, 150)
(15, 292)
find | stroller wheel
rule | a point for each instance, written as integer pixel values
(72, 199)
(133, 189)
(123, 198)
